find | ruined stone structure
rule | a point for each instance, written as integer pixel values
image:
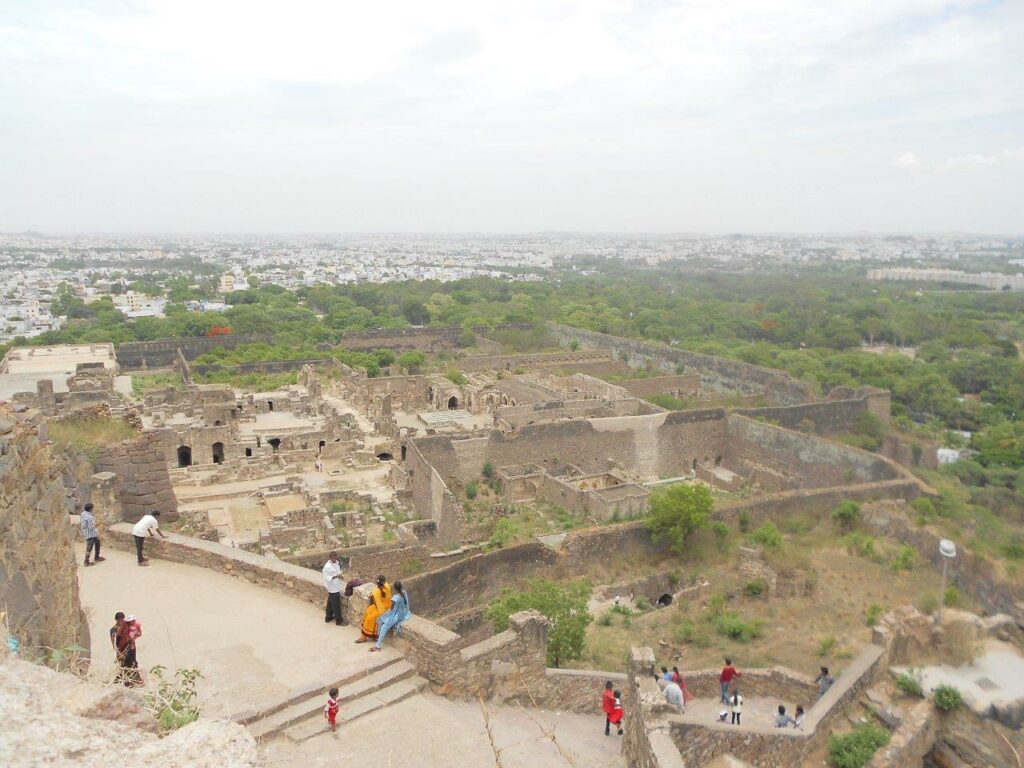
(143, 483)
(38, 580)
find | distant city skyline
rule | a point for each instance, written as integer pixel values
(754, 117)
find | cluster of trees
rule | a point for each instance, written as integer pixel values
(966, 372)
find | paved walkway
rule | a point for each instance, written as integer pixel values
(429, 731)
(756, 710)
(995, 677)
(251, 645)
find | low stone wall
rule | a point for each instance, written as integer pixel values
(789, 687)
(288, 579)
(575, 690)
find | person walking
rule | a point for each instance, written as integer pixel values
(92, 538)
(617, 712)
(146, 525)
(331, 709)
(123, 640)
(393, 619)
(824, 681)
(608, 706)
(729, 673)
(332, 582)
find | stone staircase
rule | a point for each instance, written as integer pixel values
(301, 717)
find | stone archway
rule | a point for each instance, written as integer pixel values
(184, 456)
(453, 403)
(218, 453)
(275, 443)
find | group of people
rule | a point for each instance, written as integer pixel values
(146, 526)
(387, 609)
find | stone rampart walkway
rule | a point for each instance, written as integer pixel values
(252, 645)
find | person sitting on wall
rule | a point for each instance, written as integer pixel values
(380, 603)
(394, 618)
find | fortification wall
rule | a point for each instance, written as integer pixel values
(267, 366)
(38, 575)
(676, 386)
(475, 363)
(143, 481)
(800, 460)
(139, 355)
(432, 498)
(659, 445)
(716, 373)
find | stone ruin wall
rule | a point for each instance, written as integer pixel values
(143, 481)
(39, 556)
(676, 386)
(716, 373)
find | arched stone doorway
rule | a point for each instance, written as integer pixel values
(385, 456)
(275, 443)
(218, 453)
(184, 456)
(453, 403)
(270, 405)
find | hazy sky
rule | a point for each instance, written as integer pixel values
(758, 115)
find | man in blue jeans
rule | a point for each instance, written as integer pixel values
(729, 673)
(146, 525)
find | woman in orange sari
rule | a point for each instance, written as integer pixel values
(380, 603)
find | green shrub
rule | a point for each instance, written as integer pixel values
(910, 683)
(872, 614)
(721, 531)
(716, 605)
(676, 512)
(685, 632)
(642, 603)
(861, 544)
(768, 536)
(947, 698)
(904, 559)
(927, 603)
(565, 605)
(744, 521)
(1014, 550)
(488, 471)
(755, 588)
(847, 514)
(952, 596)
(826, 645)
(925, 510)
(505, 532)
(471, 489)
(855, 749)
(456, 377)
(605, 619)
(731, 625)
(625, 610)
(173, 700)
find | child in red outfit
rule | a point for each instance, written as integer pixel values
(331, 708)
(608, 706)
(615, 718)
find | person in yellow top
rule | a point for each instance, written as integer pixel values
(380, 603)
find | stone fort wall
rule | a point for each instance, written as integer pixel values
(716, 373)
(143, 481)
(38, 559)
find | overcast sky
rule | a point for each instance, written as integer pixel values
(600, 115)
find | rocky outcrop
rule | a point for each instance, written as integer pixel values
(38, 580)
(53, 718)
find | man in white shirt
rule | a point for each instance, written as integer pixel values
(146, 525)
(332, 581)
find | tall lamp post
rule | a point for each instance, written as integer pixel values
(948, 551)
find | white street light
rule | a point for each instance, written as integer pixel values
(948, 551)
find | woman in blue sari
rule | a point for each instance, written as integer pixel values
(394, 617)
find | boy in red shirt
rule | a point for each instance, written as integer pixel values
(616, 716)
(608, 705)
(331, 708)
(728, 673)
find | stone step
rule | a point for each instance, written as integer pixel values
(314, 690)
(385, 697)
(348, 695)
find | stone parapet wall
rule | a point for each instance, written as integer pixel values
(270, 573)
(575, 690)
(40, 551)
(143, 480)
(786, 685)
(716, 373)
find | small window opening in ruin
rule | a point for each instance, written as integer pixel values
(248, 453)
(275, 443)
(184, 456)
(305, 446)
(257, 441)
(453, 403)
(270, 405)
(385, 456)
(694, 465)
(403, 453)
(218, 423)
(322, 444)
(218, 453)
(718, 460)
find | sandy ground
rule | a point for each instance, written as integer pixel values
(251, 645)
(995, 677)
(431, 731)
